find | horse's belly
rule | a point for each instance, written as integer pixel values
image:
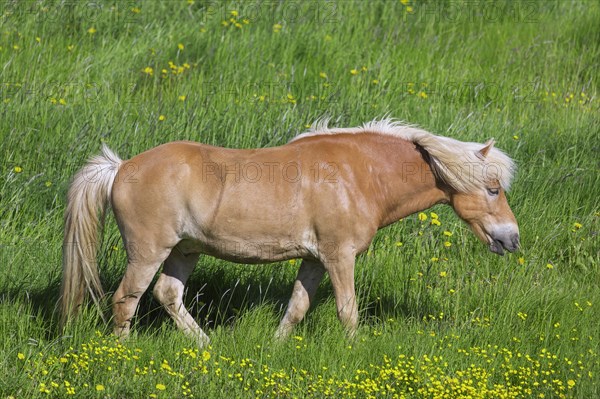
(246, 251)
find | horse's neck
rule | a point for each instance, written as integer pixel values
(409, 186)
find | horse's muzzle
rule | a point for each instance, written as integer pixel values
(509, 243)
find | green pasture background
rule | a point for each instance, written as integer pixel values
(133, 75)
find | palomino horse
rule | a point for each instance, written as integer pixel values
(321, 198)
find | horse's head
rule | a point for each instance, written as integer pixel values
(485, 208)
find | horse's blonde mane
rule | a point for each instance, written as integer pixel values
(459, 164)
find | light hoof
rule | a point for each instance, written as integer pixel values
(203, 341)
(283, 333)
(122, 333)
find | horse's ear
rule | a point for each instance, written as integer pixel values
(486, 149)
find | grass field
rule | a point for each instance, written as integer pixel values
(440, 316)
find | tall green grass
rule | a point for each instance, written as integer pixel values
(75, 75)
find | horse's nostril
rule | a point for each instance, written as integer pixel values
(509, 242)
(515, 240)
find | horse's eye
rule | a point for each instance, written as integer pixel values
(493, 191)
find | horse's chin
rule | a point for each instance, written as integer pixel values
(496, 247)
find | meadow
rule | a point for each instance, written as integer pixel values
(440, 316)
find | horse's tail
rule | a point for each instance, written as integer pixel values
(88, 198)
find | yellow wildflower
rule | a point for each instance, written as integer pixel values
(99, 387)
(17, 169)
(161, 387)
(422, 217)
(91, 30)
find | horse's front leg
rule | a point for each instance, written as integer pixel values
(305, 287)
(341, 273)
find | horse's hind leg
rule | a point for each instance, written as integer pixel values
(305, 287)
(169, 292)
(144, 262)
